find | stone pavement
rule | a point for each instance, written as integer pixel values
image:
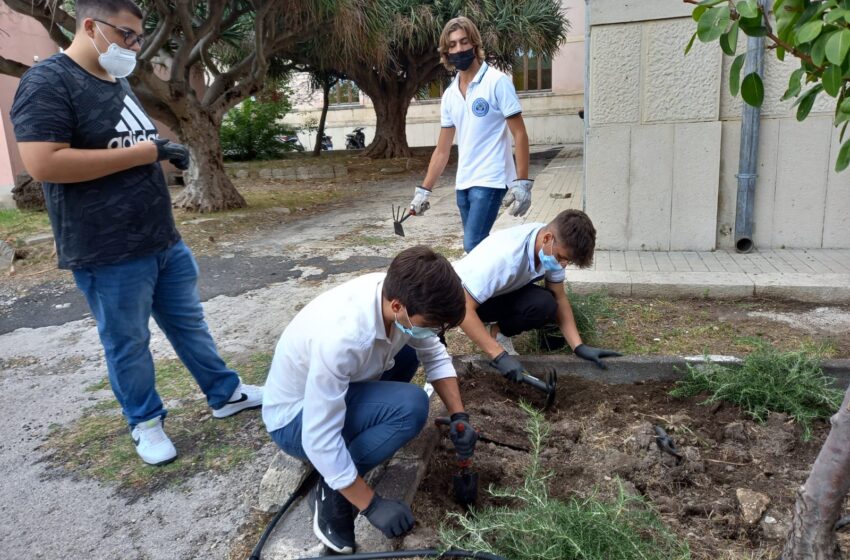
(813, 275)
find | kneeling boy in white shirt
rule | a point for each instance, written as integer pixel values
(338, 392)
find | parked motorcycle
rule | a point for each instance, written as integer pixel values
(327, 143)
(292, 142)
(355, 140)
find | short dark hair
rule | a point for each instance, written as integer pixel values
(573, 229)
(104, 8)
(426, 284)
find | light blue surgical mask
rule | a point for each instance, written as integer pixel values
(415, 331)
(549, 262)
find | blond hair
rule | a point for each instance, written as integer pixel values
(464, 24)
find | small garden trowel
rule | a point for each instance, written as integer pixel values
(465, 481)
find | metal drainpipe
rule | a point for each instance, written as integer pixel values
(748, 158)
(586, 102)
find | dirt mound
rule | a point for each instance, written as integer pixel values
(601, 433)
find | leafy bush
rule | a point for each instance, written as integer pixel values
(541, 528)
(768, 381)
(251, 130)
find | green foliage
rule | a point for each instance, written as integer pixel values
(588, 309)
(541, 528)
(768, 381)
(816, 32)
(251, 130)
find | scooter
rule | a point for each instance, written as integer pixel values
(327, 143)
(355, 140)
(292, 142)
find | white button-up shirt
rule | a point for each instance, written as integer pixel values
(504, 263)
(485, 157)
(339, 338)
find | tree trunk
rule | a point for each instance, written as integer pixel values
(320, 133)
(208, 188)
(820, 499)
(390, 132)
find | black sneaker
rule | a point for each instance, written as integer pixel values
(333, 518)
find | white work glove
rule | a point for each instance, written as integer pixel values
(518, 199)
(420, 203)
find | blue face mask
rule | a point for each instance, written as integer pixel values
(549, 262)
(415, 331)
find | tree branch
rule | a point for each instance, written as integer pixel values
(49, 15)
(12, 67)
(735, 16)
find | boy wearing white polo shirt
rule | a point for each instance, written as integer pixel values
(338, 392)
(481, 104)
(499, 278)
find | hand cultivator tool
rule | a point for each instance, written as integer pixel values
(666, 444)
(548, 385)
(465, 481)
(399, 215)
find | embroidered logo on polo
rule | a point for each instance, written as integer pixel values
(480, 107)
(133, 127)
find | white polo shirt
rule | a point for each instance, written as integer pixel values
(504, 263)
(485, 157)
(337, 339)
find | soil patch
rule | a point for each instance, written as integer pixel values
(601, 433)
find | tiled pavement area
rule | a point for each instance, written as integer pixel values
(817, 275)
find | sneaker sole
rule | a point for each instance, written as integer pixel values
(321, 536)
(220, 417)
(161, 463)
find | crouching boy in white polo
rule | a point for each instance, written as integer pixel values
(499, 277)
(338, 392)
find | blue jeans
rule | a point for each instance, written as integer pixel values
(380, 417)
(479, 207)
(122, 298)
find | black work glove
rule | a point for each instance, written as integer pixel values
(595, 355)
(177, 154)
(392, 517)
(508, 366)
(463, 435)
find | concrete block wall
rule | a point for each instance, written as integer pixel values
(663, 136)
(652, 155)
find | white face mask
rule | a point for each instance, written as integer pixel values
(118, 61)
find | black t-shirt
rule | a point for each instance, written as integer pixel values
(107, 220)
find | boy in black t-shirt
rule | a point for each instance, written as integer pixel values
(84, 134)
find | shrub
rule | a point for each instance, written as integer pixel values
(252, 130)
(767, 381)
(541, 528)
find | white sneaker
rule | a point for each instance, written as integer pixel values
(152, 445)
(244, 397)
(507, 344)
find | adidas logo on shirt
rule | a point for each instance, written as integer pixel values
(134, 126)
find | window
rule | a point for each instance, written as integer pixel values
(435, 89)
(532, 72)
(345, 92)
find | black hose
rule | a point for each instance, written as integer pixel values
(424, 552)
(309, 481)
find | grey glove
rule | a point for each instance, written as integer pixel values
(392, 517)
(177, 154)
(508, 366)
(518, 199)
(594, 355)
(420, 203)
(463, 435)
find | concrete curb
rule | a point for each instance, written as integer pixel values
(827, 288)
(631, 369)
